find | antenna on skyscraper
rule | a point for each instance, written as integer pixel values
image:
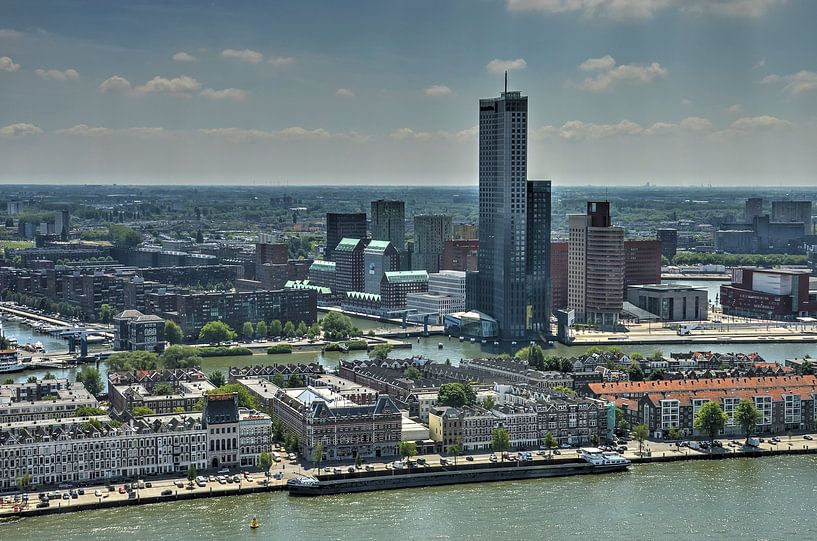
(506, 81)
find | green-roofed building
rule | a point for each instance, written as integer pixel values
(395, 285)
(322, 273)
(349, 265)
(379, 256)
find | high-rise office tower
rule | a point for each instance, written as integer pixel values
(341, 225)
(669, 242)
(595, 266)
(389, 222)
(513, 281)
(793, 211)
(430, 233)
(62, 224)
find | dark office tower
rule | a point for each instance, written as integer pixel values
(669, 242)
(62, 224)
(389, 222)
(430, 233)
(341, 225)
(753, 209)
(512, 285)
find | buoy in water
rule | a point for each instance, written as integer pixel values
(254, 524)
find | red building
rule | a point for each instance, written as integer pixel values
(642, 262)
(769, 293)
(460, 255)
(558, 274)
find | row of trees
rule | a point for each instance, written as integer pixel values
(41, 303)
(737, 260)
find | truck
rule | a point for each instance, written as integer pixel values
(686, 330)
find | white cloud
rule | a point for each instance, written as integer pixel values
(286, 134)
(798, 83)
(686, 101)
(577, 130)
(84, 130)
(407, 134)
(245, 55)
(344, 93)
(544, 132)
(9, 33)
(645, 9)
(734, 109)
(184, 57)
(235, 94)
(604, 63)
(438, 90)
(611, 75)
(115, 85)
(184, 86)
(759, 64)
(20, 129)
(281, 61)
(760, 122)
(57, 75)
(692, 124)
(499, 67)
(7, 64)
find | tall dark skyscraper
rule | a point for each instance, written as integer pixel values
(389, 222)
(513, 282)
(341, 225)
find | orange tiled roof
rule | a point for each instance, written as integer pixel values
(698, 385)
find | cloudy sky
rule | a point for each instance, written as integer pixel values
(385, 92)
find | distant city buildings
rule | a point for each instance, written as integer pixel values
(349, 260)
(430, 233)
(389, 222)
(668, 238)
(460, 255)
(340, 225)
(642, 262)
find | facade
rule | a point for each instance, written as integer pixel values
(129, 390)
(349, 260)
(596, 266)
(513, 282)
(471, 427)
(322, 273)
(44, 399)
(668, 238)
(642, 262)
(460, 255)
(430, 233)
(340, 225)
(793, 211)
(432, 303)
(752, 209)
(134, 331)
(96, 449)
(450, 283)
(671, 302)
(769, 293)
(389, 222)
(558, 274)
(343, 427)
(517, 372)
(379, 256)
(254, 436)
(221, 421)
(394, 286)
(268, 252)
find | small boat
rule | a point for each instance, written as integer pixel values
(473, 340)
(254, 524)
(439, 345)
(496, 343)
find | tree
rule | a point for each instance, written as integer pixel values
(180, 357)
(123, 236)
(412, 373)
(49, 375)
(128, 361)
(199, 237)
(710, 419)
(91, 379)
(139, 411)
(216, 332)
(247, 331)
(489, 402)
(336, 325)
(549, 441)
(380, 352)
(302, 329)
(192, 472)
(31, 379)
(455, 450)
(24, 482)
(747, 416)
(500, 441)
(217, 378)
(455, 395)
(261, 329)
(245, 398)
(105, 313)
(358, 460)
(163, 389)
(173, 333)
(536, 357)
(278, 379)
(289, 329)
(317, 454)
(265, 461)
(295, 381)
(640, 432)
(275, 328)
(408, 449)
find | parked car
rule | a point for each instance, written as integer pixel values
(98, 493)
(369, 467)
(469, 458)
(179, 483)
(278, 475)
(43, 504)
(167, 492)
(808, 437)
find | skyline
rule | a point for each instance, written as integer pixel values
(663, 92)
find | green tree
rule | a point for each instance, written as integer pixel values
(173, 333)
(500, 441)
(192, 472)
(261, 329)
(91, 379)
(31, 379)
(302, 329)
(139, 411)
(216, 332)
(278, 380)
(295, 381)
(640, 432)
(105, 313)
(380, 352)
(24, 482)
(455, 450)
(128, 361)
(536, 357)
(180, 357)
(358, 460)
(245, 398)
(336, 326)
(456, 395)
(412, 373)
(710, 419)
(88, 411)
(489, 402)
(247, 331)
(163, 389)
(49, 375)
(747, 416)
(265, 461)
(549, 441)
(275, 328)
(217, 378)
(123, 236)
(408, 449)
(317, 454)
(289, 329)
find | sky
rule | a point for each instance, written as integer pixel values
(385, 92)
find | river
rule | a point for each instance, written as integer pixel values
(765, 498)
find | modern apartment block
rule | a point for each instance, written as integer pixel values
(596, 266)
(389, 222)
(461, 255)
(135, 331)
(513, 282)
(44, 399)
(430, 233)
(379, 257)
(322, 273)
(340, 225)
(769, 293)
(642, 262)
(396, 285)
(349, 259)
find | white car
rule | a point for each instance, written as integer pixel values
(98, 493)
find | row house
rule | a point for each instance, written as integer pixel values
(472, 427)
(45, 399)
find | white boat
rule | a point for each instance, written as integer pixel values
(10, 361)
(597, 457)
